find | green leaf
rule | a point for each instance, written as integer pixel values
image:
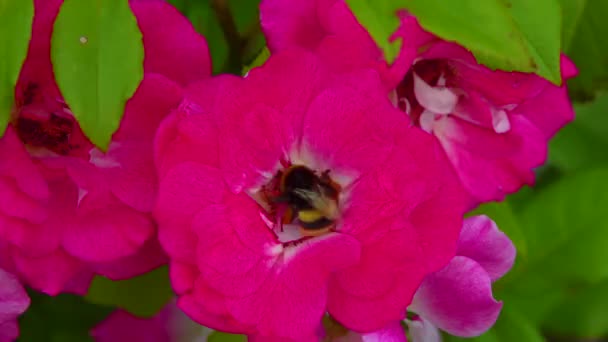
(245, 15)
(204, 21)
(224, 337)
(517, 35)
(142, 296)
(585, 41)
(510, 326)
(62, 318)
(259, 60)
(565, 231)
(380, 19)
(15, 30)
(584, 313)
(540, 23)
(97, 54)
(582, 143)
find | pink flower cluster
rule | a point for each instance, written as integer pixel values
(324, 183)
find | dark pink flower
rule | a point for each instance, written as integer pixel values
(67, 210)
(458, 298)
(169, 325)
(13, 302)
(237, 263)
(493, 125)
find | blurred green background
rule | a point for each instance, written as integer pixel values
(558, 289)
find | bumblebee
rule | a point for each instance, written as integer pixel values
(311, 198)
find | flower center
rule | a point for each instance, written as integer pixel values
(430, 92)
(301, 203)
(37, 127)
(426, 92)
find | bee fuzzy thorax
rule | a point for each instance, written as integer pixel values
(303, 197)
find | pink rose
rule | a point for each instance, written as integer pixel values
(493, 125)
(67, 210)
(391, 212)
(458, 298)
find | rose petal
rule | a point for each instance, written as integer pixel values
(422, 330)
(173, 47)
(482, 241)
(439, 100)
(458, 299)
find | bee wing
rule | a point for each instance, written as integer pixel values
(323, 204)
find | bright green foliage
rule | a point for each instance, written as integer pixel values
(15, 31)
(566, 236)
(224, 337)
(565, 232)
(64, 318)
(142, 296)
(515, 35)
(583, 312)
(97, 54)
(245, 15)
(585, 41)
(583, 142)
(380, 19)
(259, 60)
(539, 22)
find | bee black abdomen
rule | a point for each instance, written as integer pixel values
(299, 177)
(317, 224)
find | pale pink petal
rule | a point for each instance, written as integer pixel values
(482, 241)
(438, 100)
(173, 47)
(458, 299)
(421, 330)
(13, 302)
(391, 333)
